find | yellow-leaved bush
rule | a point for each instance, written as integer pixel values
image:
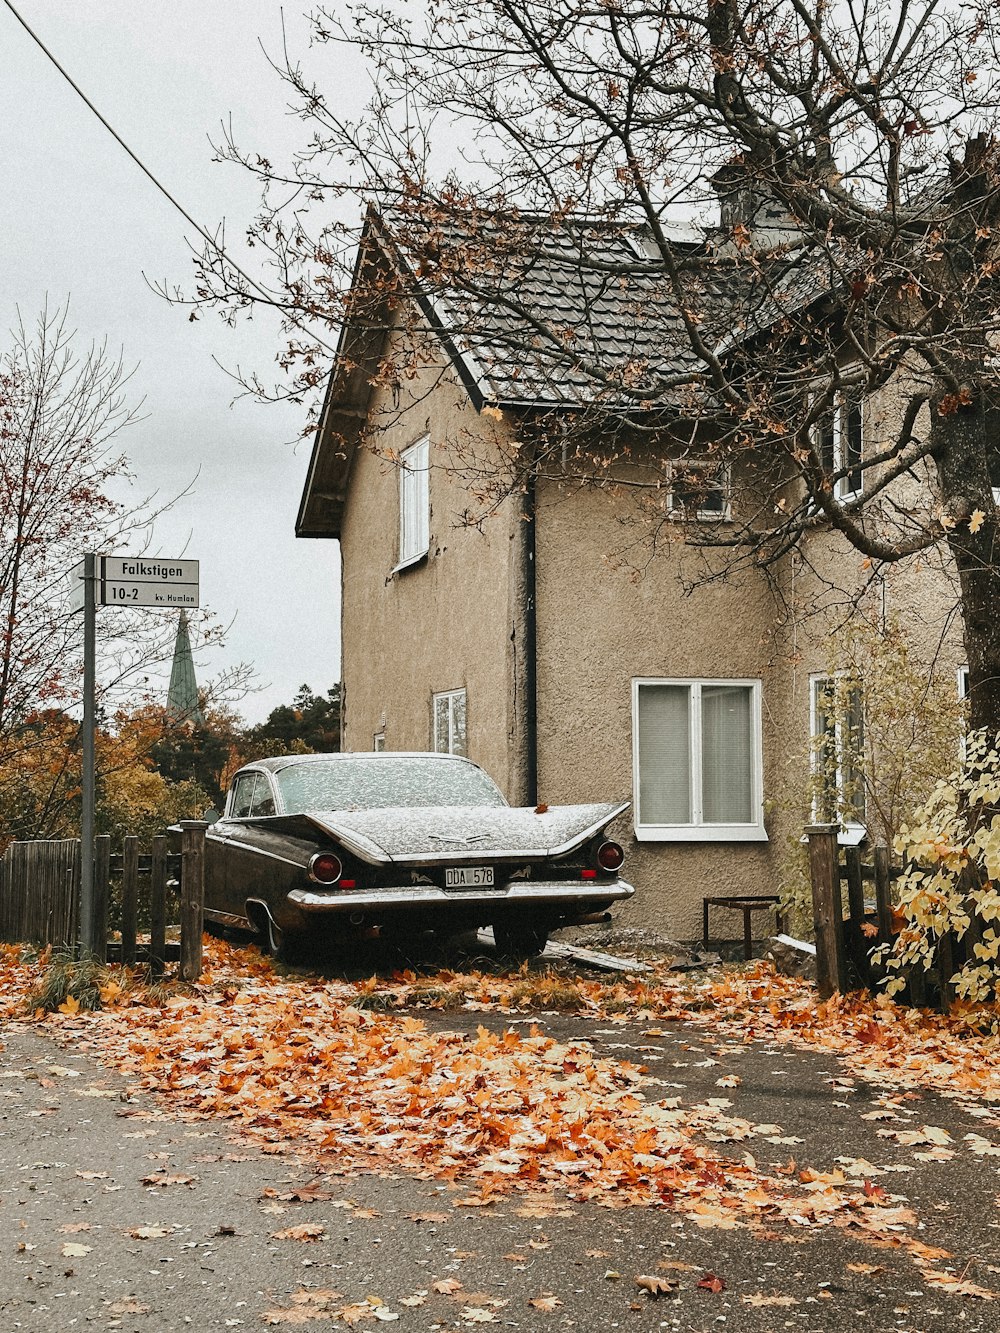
(949, 885)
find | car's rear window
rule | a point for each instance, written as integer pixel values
(360, 783)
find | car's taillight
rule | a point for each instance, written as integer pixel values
(610, 856)
(325, 868)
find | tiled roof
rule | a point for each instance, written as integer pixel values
(539, 316)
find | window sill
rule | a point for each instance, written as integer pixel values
(701, 833)
(411, 562)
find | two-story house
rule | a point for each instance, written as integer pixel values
(552, 622)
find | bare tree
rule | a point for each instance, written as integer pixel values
(60, 414)
(840, 160)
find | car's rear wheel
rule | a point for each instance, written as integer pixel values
(272, 938)
(520, 939)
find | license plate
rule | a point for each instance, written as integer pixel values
(468, 877)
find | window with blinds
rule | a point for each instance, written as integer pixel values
(697, 760)
(414, 503)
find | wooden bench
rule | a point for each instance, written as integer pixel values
(746, 903)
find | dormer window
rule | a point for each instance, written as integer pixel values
(414, 503)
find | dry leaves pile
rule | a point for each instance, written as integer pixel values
(304, 1069)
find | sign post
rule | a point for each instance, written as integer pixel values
(114, 580)
(89, 793)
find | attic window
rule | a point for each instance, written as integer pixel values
(700, 489)
(414, 503)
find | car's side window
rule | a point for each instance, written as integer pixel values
(243, 796)
(263, 797)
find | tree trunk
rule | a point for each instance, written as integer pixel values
(961, 450)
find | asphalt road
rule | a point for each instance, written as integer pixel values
(117, 1215)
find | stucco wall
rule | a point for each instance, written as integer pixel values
(601, 625)
(442, 624)
(454, 621)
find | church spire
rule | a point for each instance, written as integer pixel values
(182, 693)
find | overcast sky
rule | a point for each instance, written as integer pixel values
(78, 220)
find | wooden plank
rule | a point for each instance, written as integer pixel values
(946, 968)
(828, 913)
(192, 897)
(98, 946)
(130, 897)
(605, 962)
(883, 894)
(158, 906)
(857, 942)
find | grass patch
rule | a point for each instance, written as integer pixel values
(73, 985)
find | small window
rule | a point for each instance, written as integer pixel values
(697, 760)
(838, 742)
(449, 722)
(700, 489)
(838, 438)
(963, 682)
(378, 742)
(414, 503)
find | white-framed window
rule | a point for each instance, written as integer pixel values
(700, 488)
(839, 439)
(963, 682)
(378, 742)
(837, 729)
(414, 503)
(448, 715)
(697, 760)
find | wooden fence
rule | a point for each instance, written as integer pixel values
(40, 898)
(845, 940)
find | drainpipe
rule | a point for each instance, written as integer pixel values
(530, 644)
(523, 735)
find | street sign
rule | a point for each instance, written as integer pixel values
(131, 580)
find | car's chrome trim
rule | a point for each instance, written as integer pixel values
(233, 841)
(228, 919)
(425, 895)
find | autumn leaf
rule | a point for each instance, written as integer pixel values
(759, 1298)
(445, 1286)
(149, 1233)
(164, 1179)
(128, 1306)
(73, 1250)
(304, 1231)
(476, 1315)
(977, 520)
(656, 1286)
(71, 1005)
(710, 1282)
(546, 1302)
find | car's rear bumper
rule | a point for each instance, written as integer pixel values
(540, 893)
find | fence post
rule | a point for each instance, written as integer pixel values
(857, 943)
(158, 906)
(883, 894)
(828, 912)
(192, 896)
(97, 945)
(130, 898)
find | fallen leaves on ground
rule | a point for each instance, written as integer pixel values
(304, 1231)
(326, 1069)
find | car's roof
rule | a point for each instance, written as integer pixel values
(273, 765)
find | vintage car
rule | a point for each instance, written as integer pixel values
(315, 848)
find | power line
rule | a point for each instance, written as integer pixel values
(161, 187)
